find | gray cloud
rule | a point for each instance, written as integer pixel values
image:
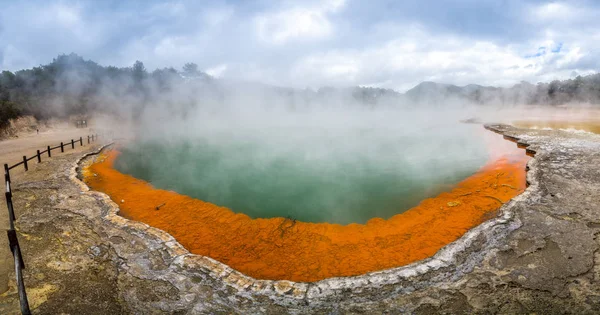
(316, 43)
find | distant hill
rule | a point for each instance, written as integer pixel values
(72, 85)
(579, 90)
(428, 92)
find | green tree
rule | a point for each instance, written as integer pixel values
(190, 69)
(139, 71)
(7, 112)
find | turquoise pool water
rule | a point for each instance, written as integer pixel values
(346, 173)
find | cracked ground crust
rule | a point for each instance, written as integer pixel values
(539, 256)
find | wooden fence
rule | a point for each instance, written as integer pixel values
(12, 234)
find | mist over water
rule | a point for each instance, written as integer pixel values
(330, 165)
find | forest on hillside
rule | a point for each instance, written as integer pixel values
(71, 85)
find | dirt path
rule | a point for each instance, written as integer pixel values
(11, 152)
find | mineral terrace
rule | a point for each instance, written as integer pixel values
(540, 255)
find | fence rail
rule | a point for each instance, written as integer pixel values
(11, 232)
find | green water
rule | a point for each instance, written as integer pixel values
(344, 175)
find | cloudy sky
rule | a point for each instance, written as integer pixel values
(382, 43)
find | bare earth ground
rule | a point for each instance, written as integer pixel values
(11, 152)
(540, 255)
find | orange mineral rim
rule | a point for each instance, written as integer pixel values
(283, 249)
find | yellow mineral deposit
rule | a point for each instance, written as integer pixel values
(583, 125)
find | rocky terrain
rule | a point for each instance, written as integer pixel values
(540, 255)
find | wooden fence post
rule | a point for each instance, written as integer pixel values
(72, 144)
(62, 147)
(49, 154)
(13, 242)
(39, 157)
(25, 163)
(81, 141)
(88, 139)
(6, 173)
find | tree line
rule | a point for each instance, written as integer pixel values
(70, 85)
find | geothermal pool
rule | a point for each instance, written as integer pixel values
(309, 204)
(321, 178)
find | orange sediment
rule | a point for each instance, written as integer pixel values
(279, 248)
